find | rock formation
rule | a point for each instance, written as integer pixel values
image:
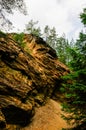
(28, 76)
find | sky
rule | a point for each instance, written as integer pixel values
(61, 14)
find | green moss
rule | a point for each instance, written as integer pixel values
(19, 38)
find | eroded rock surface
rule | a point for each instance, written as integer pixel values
(27, 77)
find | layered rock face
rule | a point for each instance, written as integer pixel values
(28, 76)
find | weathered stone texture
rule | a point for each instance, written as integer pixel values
(27, 77)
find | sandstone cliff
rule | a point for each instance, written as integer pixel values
(28, 76)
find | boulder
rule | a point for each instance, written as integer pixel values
(28, 76)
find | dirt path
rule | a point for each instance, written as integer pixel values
(48, 117)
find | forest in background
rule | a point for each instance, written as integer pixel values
(73, 54)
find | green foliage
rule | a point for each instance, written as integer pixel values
(60, 44)
(62, 49)
(19, 38)
(74, 89)
(78, 53)
(74, 85)
(32, 29)
(83, 16)
(50, 36)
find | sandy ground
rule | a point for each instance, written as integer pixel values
(48, 117)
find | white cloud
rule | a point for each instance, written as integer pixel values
(62, 14)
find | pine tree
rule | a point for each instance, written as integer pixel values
(32, 28)
(74, 85)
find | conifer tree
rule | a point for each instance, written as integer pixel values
(74, 86)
